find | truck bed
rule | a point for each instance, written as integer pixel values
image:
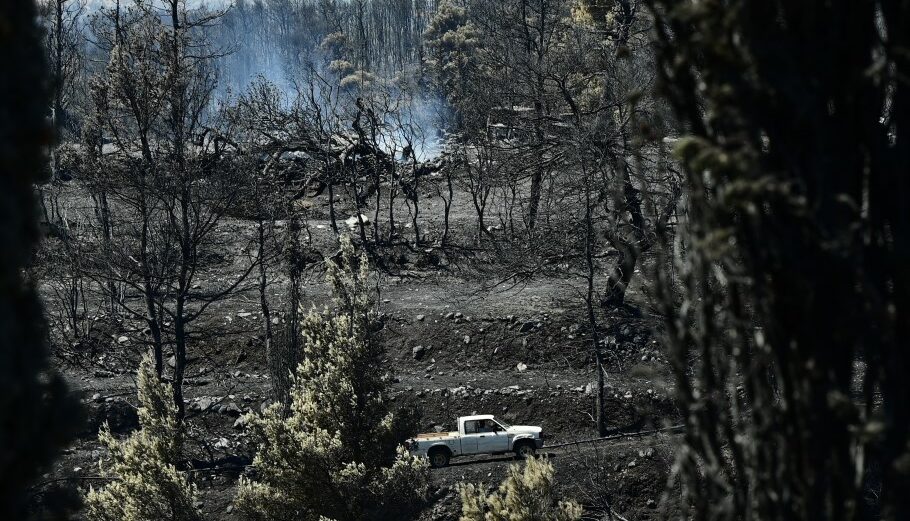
(435, 435)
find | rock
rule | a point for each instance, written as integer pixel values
(420, 318)
(172, 362)
(123, 339)
(241, 422)
(521, 367)
(458, 391)
(467, 339)
(352, 221)
(590, 388)
(450, 315)
(632, 463)
(222, 443)
(204, 403)
(418, 352)
(651, 503)
(97, 398)
(232, 409)
(512, 389)
(527, 326)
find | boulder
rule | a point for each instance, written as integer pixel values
(352, 221)
(204, 403)
(527, 326)
(418, 352)
(232, 409)
(241, 422)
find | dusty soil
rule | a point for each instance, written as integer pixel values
(521, 352)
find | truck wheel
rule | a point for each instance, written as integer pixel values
(525, 450)
(439, 458)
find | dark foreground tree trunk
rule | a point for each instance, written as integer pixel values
(788, 332)
(37, 415)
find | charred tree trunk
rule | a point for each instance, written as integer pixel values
(621, 274)
(599, 418)
(447, 208)
(332, 218)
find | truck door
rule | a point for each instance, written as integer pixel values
(491, 437)
(470, 438)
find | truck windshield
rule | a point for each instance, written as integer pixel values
(504, 425)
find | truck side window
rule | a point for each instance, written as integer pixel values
(470, 427)
(488, 426)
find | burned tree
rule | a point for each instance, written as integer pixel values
(163, 181)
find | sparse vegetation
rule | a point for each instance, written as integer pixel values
(527, 494)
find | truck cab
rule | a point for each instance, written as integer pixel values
(478, 434)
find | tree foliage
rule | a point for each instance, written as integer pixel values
(145, 483)
(336, 455)
(451, 40)
(527, 494)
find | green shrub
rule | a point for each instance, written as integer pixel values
(336, 455)
(144, 483)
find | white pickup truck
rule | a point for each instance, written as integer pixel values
(482, 434)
